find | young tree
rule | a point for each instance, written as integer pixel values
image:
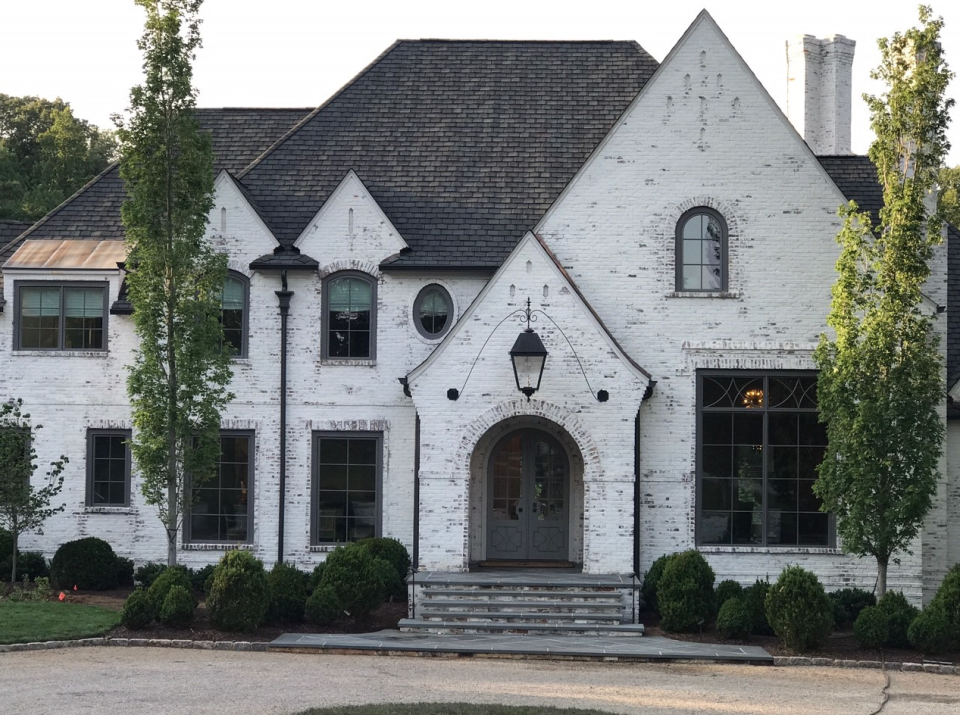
(880, 382)
(22, 506)
(177, 384)
(949, 198)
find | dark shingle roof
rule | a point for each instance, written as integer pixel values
(463, 144)
(9, 230)
(239, 136)
(856, 177)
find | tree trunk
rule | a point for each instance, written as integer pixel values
(882, 575)
(13, 568)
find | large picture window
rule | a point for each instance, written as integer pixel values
(221, 509)
(61, 317)
(759, 442)
(108, 468)
(349, 317)
(346, 487)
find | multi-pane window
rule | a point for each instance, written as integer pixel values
(758, 447)
(349, 319)
(233, 315)
(701, 251)
(433, 311)
(61, 317)
(108, 468)
(346, 487)
(221, 508)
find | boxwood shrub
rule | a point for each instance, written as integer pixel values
(847, 603)
(755, 598)
(872, 628)
(355, 578)
(798, 609)
(734, 621)
(137, 611)
(685, 593)
(239, 595)
(900, 615)
(396, 554)
(322, 607)
(178, 607)
(89, 564)
(651, 582)
(947, 599)
(726, 590)
(288, 593)
(168, 578)
(931, 632)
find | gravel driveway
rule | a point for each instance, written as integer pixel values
(155, 681)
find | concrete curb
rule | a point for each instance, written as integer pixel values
(137, 643)
(780, 660)
(262, 647)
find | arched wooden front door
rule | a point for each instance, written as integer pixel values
(528, 498)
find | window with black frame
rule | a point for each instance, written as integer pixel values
(108, 468)
(233, 315)
(221, 508)
(346, 480)
(759, 441)
(349, 317)
(61, 317)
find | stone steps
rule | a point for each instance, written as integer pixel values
(523, 603)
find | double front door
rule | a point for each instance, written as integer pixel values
(528, 498)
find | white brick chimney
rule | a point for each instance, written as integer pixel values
(819, 78)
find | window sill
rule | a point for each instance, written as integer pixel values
(819, 550)
(348, 361)
(704, 294)
(61, 353)
(234, 546)
(325, 548)
(109, 510)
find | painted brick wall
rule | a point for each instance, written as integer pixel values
(703, 133)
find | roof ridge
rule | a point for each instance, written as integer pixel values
(509, 41)
(296, 127)
(253, 109)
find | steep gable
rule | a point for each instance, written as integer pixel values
(463, 144)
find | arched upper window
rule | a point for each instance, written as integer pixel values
(349, 316)
(233, 314)
(701, 251)
(433, 311)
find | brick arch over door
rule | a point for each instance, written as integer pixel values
(481, 436)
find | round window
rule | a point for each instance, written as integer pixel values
(433, 311)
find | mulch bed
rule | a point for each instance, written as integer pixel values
(385, 617)
(840, 645)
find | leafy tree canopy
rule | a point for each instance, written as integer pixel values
(881, 386)
(46, 154)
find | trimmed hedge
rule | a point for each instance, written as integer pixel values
(685, 593)
(755, 597)
(798, 609)
(947, 599)
(322, 607)
(239, 596)
(726, 590)
(89, 564)
(931, 632)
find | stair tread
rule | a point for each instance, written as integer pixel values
(627, 628)
(519, 604)
(521, 614)
(526, 593)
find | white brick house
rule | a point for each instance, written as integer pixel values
(406, 223)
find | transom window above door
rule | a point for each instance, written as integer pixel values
(701, 251)
(349, 316)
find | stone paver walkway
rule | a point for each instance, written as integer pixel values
(624, 647)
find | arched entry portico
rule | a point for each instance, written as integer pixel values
(526, 494)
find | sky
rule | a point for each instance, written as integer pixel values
(296, 53)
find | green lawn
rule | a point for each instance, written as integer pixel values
(448, 709)
(27, 622)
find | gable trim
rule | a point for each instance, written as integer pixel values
(530, 239)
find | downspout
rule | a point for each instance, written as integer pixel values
(283, 298)
(416, 496)
(636, 494)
